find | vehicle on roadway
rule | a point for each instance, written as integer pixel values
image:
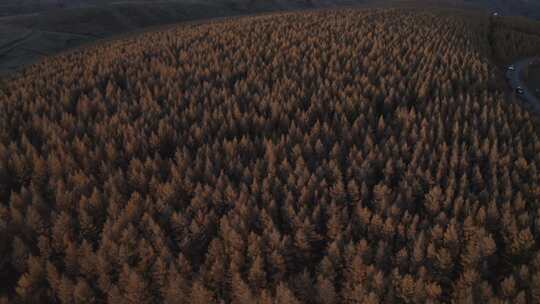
(511, 68)
(520, 91)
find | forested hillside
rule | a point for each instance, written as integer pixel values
(514, 38)
(348, 156)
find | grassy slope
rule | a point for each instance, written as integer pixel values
(102, 21)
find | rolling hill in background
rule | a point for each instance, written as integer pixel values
(320, 157)
(526, 8)
(529, 8)
(26, 38)
(33, 29)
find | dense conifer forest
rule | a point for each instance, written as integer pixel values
(348, 156)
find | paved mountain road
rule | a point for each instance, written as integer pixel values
(515, 79)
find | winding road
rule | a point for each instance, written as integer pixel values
(515, 80)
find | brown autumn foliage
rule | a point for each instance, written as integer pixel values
(320, 157)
